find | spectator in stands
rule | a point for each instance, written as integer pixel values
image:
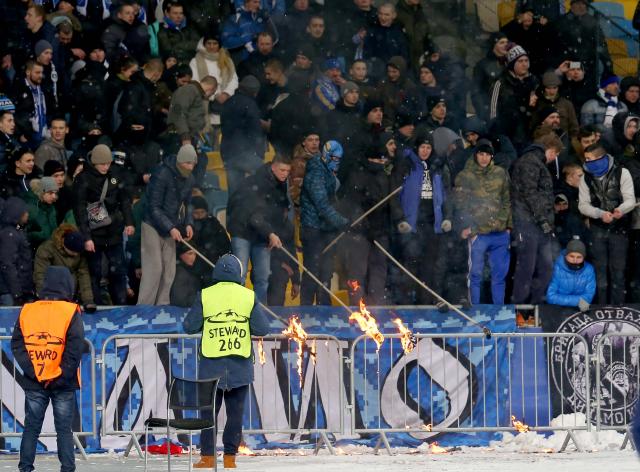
(305, 151)
(14, 182)
(575, 87)
(126, 35)
(358, 74)
(258, 220)
(630, 94)
(395, 88)
(569, 223)
(573, 282)
(214, 60)
(403, 135)
(114, 89)
(166, 221)
(102, 225)
(42, 211)
(319, 221)
(33, 106)
(65, 248)
(272, 90)
(532, 34)
(619, 139)
(53, 148)
(243, 144)
(176, 37)
(412, 18)
(255, 63)
(315, 38)
(302, 71)
(483, 209)
(607, 197)
(600, 110)
(427, 215)
(437, 116)
(350, 22)
(187, 281)
(16, 270)
(326, 88)
(206, 16)
(532, 204)
(487, 71)
(50, 76)
(513, 98)
(385, 39)
(209, 236)
(587, 135)
(39, 28)
(7, 130)
(240, 30)
(549, 96)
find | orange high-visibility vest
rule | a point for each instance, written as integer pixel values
(44, 326)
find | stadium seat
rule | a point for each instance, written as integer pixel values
(623, 66)
(506, 12)
(216, 199)
(612, 9)
(211, 181)
(617, 47)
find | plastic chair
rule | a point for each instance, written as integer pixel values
(506, 12)
(184, 395)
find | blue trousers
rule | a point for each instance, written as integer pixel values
(232, 434)
(260, 257)
(35, 406)
(496, 247)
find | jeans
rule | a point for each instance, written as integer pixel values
(320, 265)
(496, 245)
(534, 264)
(117, 273)
(260, 257)
(232, 434)
(36, 403)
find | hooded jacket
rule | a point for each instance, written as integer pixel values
(485, 73)
(594, 111)
(58, 285)
(52, 253)
(15, 252)
(243, 142)
(614, 140)
(568, 286)
(42, 218)
(49, 150)
(14, 185)
(384, 42)
(394, 94)
(177, 41)
(234, 371)
(317, 200)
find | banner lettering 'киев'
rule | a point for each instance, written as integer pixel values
(447, 384)
(610, 334)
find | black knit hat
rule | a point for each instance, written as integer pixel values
(51, 167)
(199, 203)
(484, 145)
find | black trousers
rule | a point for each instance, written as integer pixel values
(534, 264)
(321, 265)
(609, 253)
(232, 434)
(367, 266)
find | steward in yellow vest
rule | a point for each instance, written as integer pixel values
(47, 343)
(227, 314)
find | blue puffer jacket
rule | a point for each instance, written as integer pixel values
(241, 28)
(234, 371)
(568, 286)
(318, 197)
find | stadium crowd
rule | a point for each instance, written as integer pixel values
(516, 168)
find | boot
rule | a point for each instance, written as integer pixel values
(229, 461)
(206, 462)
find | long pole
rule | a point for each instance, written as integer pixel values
(361, 217)
(205, 259)
(485, 329)
(315, 279)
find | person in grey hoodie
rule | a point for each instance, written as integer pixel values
(53, 148)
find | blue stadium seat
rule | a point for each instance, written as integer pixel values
(612, 9)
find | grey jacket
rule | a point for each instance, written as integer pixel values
(188, 112)
(234, 371)
(51, 151)
(594, 111)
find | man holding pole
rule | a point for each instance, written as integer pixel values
(227, 314)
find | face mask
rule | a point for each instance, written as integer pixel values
(183, 172)
(575, 266)
(599, 167)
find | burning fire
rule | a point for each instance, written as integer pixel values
(368, 324)
(313, 351)
(353, 285)
(427, 427)
(519, 425)
(408, 340)
(261, 356)
(296, 332)
(434, 448)
(243, 450)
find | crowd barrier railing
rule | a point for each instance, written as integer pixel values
(13, 398)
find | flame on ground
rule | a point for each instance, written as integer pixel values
(340, 451)
(427, 427)
(368, 324)
(408, 340)
(435, 448)
(261, 356)
(243, 450)
(519, 425)
(296, 332)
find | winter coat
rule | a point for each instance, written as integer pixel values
(296, 176)
(234, 371)
(259, 207)
(136, 105)
(568, 119)
(186, 285)
(168, 199)
(510, 108)
(534, 40)
(345, 125)
(90, 104)
(188, 111)
(449, 72)
(51, 151)
(42, 219)
(394, 94)
(13, 185)
(568, 286)
(210, 237)
(242, 135)
(22, 98)
(120, 38)
(178, 42)
(482, 198)
(284, 132)
(242, 28)
(569, 223)
(52, 253)
(384, 42)
(59, 287)
(317, 199)
(87, 188)
(16, 271)
(593, 112)
(203, 15)
(532, 188)
(632, 164)
(578, 93)
(413, 21)
(412, 188)
(416, 101)
(254, 65)
(7, 145)
(485, 73)
(614, 139)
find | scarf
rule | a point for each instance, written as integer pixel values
(202, 57)
(599, 167)
(612, 107)
(39, 117)
(171, 25)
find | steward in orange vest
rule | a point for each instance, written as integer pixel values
(48, 338)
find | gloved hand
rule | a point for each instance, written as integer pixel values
(583, 305)
(446, 226)
(546, 228)
(249, 47)
(90, 307)
(404, 227)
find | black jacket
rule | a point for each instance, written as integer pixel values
(259, 207)
(345, 125)
(168, 199)
(22, 98)
(87, 188)
(57, 282)
(89, 107)
(136, 106)
(485, 73)
(241, 132)
(210, 237)
(16, 264)
(13, 185)
(120, 38)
